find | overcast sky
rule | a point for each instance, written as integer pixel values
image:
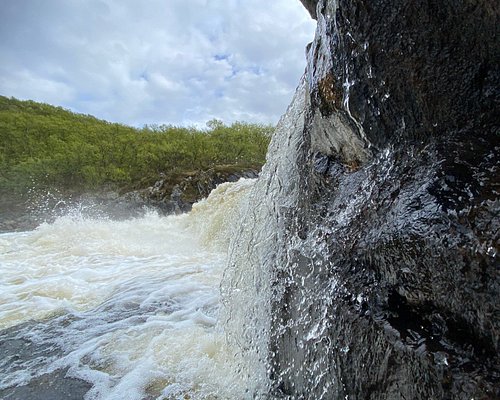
(156, 61)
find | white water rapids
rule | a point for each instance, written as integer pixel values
(131, 307)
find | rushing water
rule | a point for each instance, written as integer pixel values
(130, 307)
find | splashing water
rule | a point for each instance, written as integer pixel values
(131, 307)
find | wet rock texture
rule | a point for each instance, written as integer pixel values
(177, 193)
(388, 284)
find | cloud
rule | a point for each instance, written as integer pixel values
(157, 61)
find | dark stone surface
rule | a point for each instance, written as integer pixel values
(310, 6)
(176, 194)
(389, 283)
(53, 386)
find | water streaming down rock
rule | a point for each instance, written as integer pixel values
(246, 287)
(371, 239)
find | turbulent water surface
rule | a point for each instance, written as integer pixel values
(130, 309)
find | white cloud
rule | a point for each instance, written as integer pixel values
(155, 61)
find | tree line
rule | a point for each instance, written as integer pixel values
(50, 146)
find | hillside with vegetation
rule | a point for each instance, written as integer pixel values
(50, 147)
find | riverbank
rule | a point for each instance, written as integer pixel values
(172, 193)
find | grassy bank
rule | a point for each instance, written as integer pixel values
(49, 146)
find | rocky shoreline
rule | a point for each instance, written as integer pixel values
(171, 194)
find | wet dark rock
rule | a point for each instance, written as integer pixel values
(176, 193)
(54, 386)
(388, 281)
(310, 6)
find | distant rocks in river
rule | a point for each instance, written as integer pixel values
(172, 193)
(176, 193)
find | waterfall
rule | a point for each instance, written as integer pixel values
(120, 309)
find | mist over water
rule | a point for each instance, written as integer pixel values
(132, 306)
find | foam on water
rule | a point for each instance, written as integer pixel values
(130, 306)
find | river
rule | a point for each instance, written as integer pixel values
(97, 308)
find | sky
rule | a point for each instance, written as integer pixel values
(137, 62)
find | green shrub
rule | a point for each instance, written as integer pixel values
(54, 147)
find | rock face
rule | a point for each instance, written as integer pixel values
(177, 193)
(385, 271)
